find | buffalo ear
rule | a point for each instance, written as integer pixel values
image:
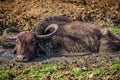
(105, 32)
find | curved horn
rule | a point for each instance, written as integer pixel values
(55, 26)
(6, 31)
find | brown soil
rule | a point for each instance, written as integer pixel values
(25, 13)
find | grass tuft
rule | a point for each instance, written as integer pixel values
(114, 30)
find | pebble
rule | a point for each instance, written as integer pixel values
(90, 76)
(84, 68)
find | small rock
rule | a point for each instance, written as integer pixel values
(84, 68)
(90, 76)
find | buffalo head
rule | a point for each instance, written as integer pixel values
(27, 42)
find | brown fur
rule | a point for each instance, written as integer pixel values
(27, 46)
(78, 36)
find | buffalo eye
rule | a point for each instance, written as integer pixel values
(32, 42)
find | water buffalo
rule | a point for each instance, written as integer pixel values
(56, 34)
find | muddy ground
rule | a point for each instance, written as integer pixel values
(85, 63)
(89, 60)
(23, 14)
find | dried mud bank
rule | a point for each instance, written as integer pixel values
(24, 14)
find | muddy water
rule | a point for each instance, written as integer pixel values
(93, 59)
(82, 60)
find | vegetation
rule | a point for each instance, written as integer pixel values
(60, 72)
(115, 30)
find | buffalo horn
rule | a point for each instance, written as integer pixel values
(54, 26)
(6, 31)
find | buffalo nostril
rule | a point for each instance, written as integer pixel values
(24, 57)
(16, 58)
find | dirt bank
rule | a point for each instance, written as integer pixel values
(24, 14)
